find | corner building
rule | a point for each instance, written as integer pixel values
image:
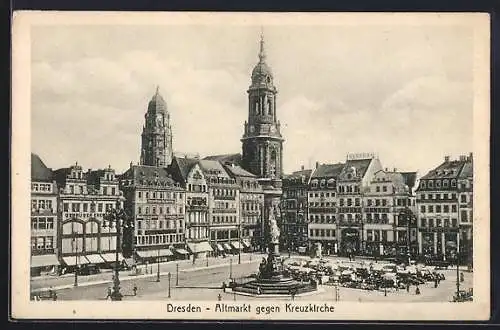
(445, 210)
(44, 248)
(262, 142)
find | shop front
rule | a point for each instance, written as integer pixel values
(200, 250)
(349, 243)
(44, 264)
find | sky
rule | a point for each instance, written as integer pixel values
(402, 92)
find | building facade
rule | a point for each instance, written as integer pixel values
(44, 248)
(84, 198)
(189, 174)
(223, 207)
(294, 210)
(388, 205)
(156, 146)
(353, 180)
(262, 142)
(251, 206)
(322, 207)
(444, 198)
(156, 202)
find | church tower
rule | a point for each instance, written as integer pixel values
(262, 140)
(156, 149)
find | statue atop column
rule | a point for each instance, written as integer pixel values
(273, 227)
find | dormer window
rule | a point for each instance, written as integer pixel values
(431, 184)
(445, 183)
(314, 183)
(438, 184)
(322, 184)
(453, 183)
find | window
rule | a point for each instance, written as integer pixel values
(424, 222)
(453, 222)
(422, 184)
(99, 207)
(463, 198)
(139, 210)
(438, 222)
(422, 208)
(431, 222)
(463, 216)
(445, 183)
(431, 184)
(66, 207)
(384, 188)
(453, 183)
(438, 208)
(438, 184)
(377, 189)
(454, 208)
(430, 208)
(384, 202)
(446, 208)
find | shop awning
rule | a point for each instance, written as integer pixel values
(70, 261)
(246, 243)
(181, 251)
(219, 247)
(227, 247)
(166, 253)
(199, 247)
(111, 257)
(95, 259)
(236, 245)
(44, 260)
(148, 253)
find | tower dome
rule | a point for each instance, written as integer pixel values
(157, 103)
(262, 72)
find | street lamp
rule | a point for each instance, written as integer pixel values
(75, 244)
(239, 240)
(158, 267)
(117, 217)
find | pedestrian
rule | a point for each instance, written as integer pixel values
(258, 290)
(461, 277)
(417, 290)
(108, 293)
(219, 297)
(224, 286)
(435, 283)
(408, 287)
(135, 289)
(54, 296)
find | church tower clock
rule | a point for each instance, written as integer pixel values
(156, 147)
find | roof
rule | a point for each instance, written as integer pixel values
(213, 167)
(409, 178)
(157, 103)
(328, 170)
(149, 174)
(237, 170)
(181, 166)
(226, 158)
(448, 169)
(467, 170)
(39, 171)
(299, 174)
(360, 165)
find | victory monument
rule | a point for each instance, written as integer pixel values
(271, 279)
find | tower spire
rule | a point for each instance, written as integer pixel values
(262, 53)
(157, 89)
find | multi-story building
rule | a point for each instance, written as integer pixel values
(444, 199)
(156, 202)
(294, 210)
(251, 205)
(223, 207)
(354, 178)
(322, 207)
(385, 230)
(189, 174)
(43, 218)
(84, 197)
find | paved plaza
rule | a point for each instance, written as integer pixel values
(203, 283)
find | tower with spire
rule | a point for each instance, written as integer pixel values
(156, 146)
(262, 141)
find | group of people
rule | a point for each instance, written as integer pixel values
(110, 291)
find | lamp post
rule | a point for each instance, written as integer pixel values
(158, 267)
(169, 277)
(177, 274)
(458, 271)
(239, 243)
(230, 268)
(75, 240)
(117, 217)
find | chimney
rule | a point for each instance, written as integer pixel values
(395, 170)
(302, 167)
(386, 169)
(470, 157)
(317, 164)
(446, 158)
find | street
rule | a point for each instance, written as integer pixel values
(199, 282)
